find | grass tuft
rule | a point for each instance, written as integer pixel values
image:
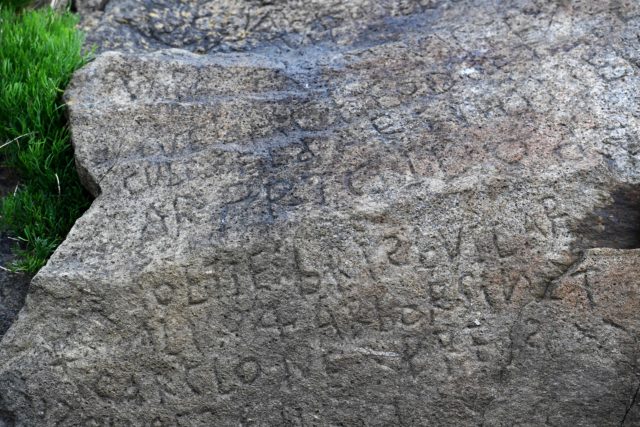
(15, 4)
(39, 51)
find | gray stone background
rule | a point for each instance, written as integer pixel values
(345, 213)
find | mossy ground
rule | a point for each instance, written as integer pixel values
(39, 51)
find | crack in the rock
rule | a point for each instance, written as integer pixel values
(631, 405)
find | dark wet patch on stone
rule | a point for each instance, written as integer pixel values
(616, 225)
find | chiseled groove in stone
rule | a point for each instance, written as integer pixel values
(259, 147)
(228, 75)
(277, 96)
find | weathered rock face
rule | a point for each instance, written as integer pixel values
(390, 222)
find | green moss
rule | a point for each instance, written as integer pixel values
(39, 51)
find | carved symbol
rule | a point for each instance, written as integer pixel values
(244, 195)
(407, 88)
(411, 315)
(186, 209)
(466, 286)
(399, 253)
(135, 182)
(277, 190)
(199, 289)
(268, 319)
(442, 294)
(305, 155)
(440, 82)
(325, 318)
(533, 327)
(163, 294)
(309, 279)
(387, 125)
(453, 245)
(222, 380)
(281, 319)
(116, 385)
(156, 222)
(505, 244)
(248, 370)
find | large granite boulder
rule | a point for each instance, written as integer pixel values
(345, 213)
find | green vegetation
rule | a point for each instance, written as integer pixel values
(15, 4)
(39, 51)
